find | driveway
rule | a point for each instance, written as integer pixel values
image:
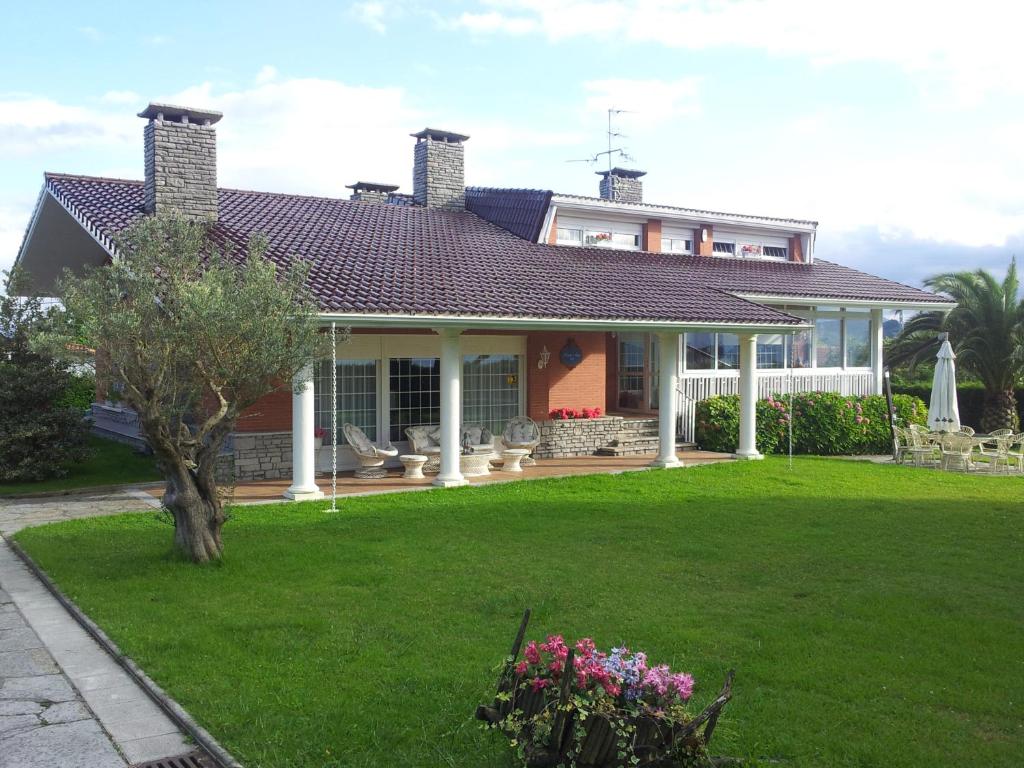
(16, 514)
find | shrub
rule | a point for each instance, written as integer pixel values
(80, 392)
(824, 423)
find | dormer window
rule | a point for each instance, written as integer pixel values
(611, 238)
(676, 245)
(602, 234)
(570, 235)
(775, 252)
(726, 249)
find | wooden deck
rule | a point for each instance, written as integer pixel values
(262, 491)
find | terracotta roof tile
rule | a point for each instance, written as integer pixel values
(401, 259)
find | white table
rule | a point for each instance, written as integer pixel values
(513, 458)
(413, 463)
(475, 464)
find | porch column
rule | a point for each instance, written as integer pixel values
(451, 409)
(876, 350)
(748, 398)
(303, 485)
(668, 351)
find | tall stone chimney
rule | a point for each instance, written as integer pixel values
(438, 170)
(371, 192)
(181, 161)
(622, 185)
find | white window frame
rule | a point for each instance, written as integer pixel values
(588, 227)
(670, 234)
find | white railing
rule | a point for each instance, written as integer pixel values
(694, 388)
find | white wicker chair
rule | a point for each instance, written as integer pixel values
(425, 440)
(371, 458)
(957, 448)
(522, 432)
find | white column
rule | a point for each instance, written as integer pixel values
(876, 349)
(748, 398)
(451, 409)
(303, 485)
(668, 351)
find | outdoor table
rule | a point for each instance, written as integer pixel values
(413, 463)
(475, 464)
(513, 457)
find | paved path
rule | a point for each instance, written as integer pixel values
(16, 514)
(63, 700)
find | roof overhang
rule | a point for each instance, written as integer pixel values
(916, 306)
(58, 239)
(592, 205)
(483, 322)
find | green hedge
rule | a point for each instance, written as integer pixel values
(824, 423)
(970, 398)
(80, 393)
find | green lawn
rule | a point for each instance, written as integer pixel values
(109, 463)
(875, 614)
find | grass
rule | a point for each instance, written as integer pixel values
(873, 613)
(108, 463)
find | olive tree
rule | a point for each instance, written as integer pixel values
(193, 335)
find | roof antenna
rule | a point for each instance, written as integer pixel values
(611, 152)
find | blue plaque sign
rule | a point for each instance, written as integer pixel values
(571, 355)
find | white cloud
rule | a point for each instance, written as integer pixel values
(974, 50)
(90, 33)
(371, 14)
(30, 124)
(13, 220)
(267, 74)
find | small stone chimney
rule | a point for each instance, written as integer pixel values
(622, 185)
(438, 170)
(181, 161)
(371, 192)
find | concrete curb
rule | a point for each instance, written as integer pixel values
(170, 707)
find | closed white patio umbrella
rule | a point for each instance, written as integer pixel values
(943, 412)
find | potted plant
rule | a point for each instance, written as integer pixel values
(319, 433)
(584, 707)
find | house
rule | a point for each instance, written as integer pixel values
(475, 305)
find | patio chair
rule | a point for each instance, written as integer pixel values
(522, 432)
(371, 458)
(1016, 457)
(957, 448)
(991, 450)
(426, 441)
(967, 430)
(922, 445)
(904, 442)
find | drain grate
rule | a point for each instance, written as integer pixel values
(191, 760)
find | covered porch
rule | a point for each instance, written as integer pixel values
(388, 379)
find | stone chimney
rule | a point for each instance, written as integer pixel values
(370, 192)
(181, 161)
(622, 185)
(438, 170)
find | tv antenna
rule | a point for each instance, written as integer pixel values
(612, 152)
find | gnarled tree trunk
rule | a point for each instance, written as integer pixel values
(198, 515)
(999, 411)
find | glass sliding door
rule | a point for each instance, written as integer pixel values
(490, 390)
(358, 388)
(632, 370)
(414, 396)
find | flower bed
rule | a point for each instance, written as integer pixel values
(581, 706)
(824, 423)
(561, 414)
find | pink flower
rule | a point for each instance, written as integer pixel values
(521, 668)
(556, 646)
(532, 654)
(540, 683)
(683, 685)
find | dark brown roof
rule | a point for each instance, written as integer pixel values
(409, 260)
(520, 211)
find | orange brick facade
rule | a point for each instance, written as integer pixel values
(557, 386)
(703, 247)
(652, 236)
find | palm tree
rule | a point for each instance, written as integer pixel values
(987, 333)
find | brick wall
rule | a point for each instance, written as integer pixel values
(558, 386)
(796, 251)
(271, 413)
(705, 248)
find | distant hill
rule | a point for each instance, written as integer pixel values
(891, 328)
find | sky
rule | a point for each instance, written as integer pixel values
(897, 125)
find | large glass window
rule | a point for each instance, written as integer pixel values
(800, 350)
(828, 342)
(357, 396)
(771, 351)
(490, 390)
(631, 370)
(728, 351)
(858, 342)
(700, 351)
(415, 384)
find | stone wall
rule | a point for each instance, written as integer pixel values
(438, 174)
(260, 456)
(181, 169)
(576, 437)
(621, 189)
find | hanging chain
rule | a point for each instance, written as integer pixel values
(334, 418)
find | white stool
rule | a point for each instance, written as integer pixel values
(413, 463)
(475, 464)
(513, 458)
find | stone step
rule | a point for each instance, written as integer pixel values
(636, 450)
